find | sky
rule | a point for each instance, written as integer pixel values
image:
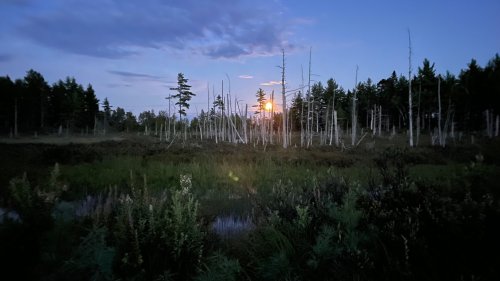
(131, 51)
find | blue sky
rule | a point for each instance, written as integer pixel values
(131, 51)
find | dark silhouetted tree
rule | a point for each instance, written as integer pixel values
(183, 94)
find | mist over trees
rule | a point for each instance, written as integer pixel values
(444, 106)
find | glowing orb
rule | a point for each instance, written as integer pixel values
(269, 106)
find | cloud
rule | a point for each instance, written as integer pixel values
(134, 75)
(115, 29)
(245, 76)
(117, 85)
(271, 83)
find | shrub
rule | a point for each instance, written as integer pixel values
(92, 259)
(220, 267)
(155, 235)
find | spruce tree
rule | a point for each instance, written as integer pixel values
(183, 95)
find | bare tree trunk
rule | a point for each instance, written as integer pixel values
(410, 106)
(418, 113)
(229, 128)
(372, 112)
(327, 124)
(309, 122)
(244, 119)
(317, 122)
(169, 117)
(283, 97)
(336, 128)
(334, 121)
(302, 110)
(354, 115)
(208, 130)
(440, 134)
(380, 121)
(222, 124)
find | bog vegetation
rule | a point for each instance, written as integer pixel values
(221, 197)
(135, 210)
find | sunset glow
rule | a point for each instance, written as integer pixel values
(269, 106)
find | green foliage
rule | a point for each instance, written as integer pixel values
(92, 259)
(23, 197)
(155, 235)
(220, 267)
(393, 167)
(183, 95)
(338, 248)
(185, 232)
(32, 205)
(303, 217)
(272, 251)
(261, 101)
(308, 224)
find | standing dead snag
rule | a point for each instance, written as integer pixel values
(283, 96)
(410, 108)
(440, 134)
(354, 114)
(309, 124)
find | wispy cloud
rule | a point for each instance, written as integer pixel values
(245, 76)
(114, 29)
(135, 75)
(117, 85)
(271, 83)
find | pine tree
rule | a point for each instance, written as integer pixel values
(183, 95)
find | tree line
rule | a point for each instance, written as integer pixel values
(444, 106)
(469, 103)
(32, 105)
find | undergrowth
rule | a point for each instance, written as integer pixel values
(155, 220)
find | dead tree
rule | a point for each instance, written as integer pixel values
(380, 121)
(418, 113)
(334, 122)
(410, 108)
(309, 122)
(354, 115)
(302, 110)
(440, 134)
(283, 97)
